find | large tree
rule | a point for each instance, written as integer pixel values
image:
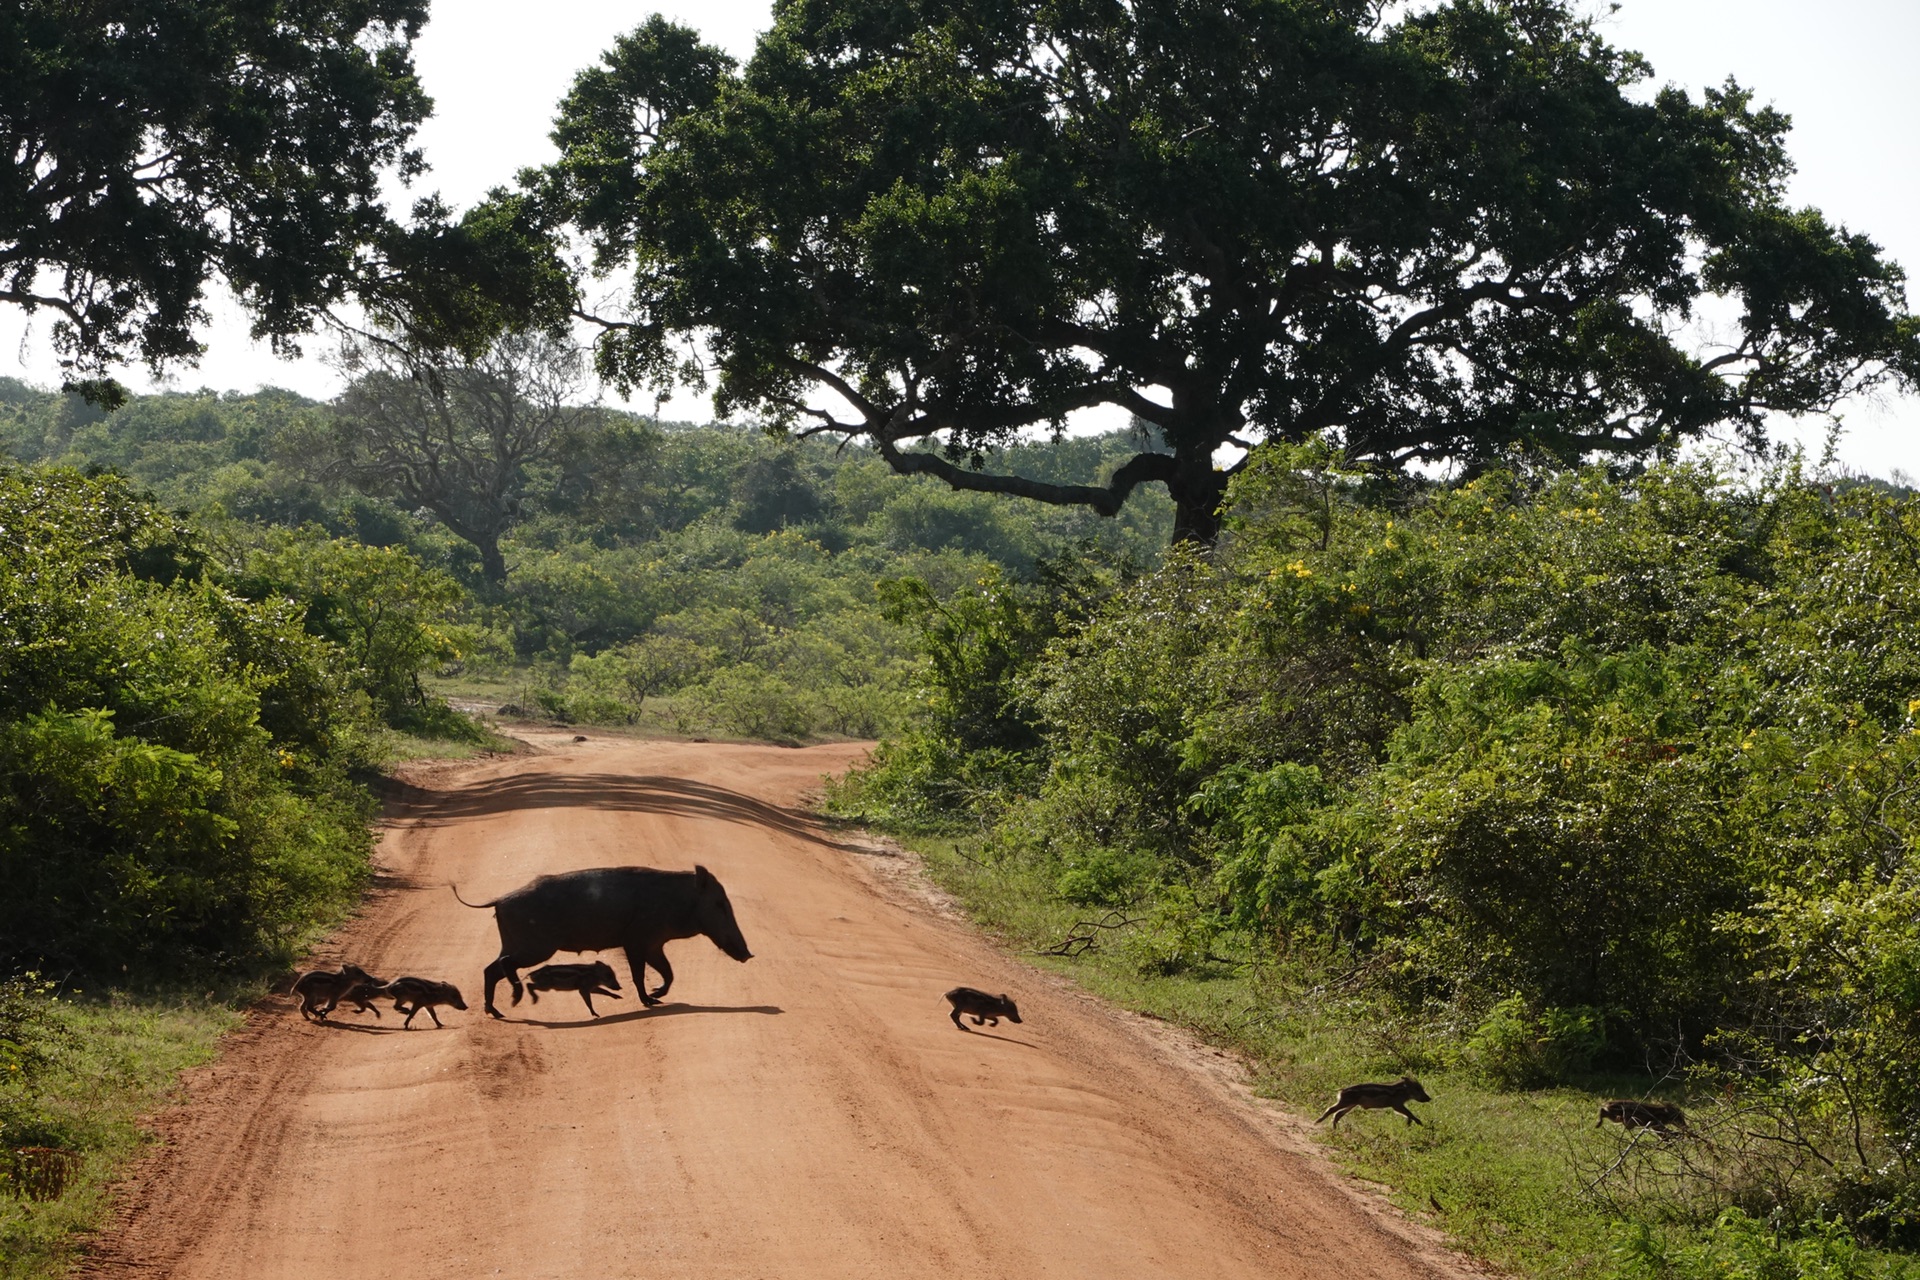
(1430, 235)
(456, 438)
(148, 147)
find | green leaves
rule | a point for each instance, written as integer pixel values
(615, 115)
(1583, 742)
(1556, 828)
(388, 615)
(172, 757)
(1437, 237)
(152, 145)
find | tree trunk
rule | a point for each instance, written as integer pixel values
(1197, 491)
(493, 565)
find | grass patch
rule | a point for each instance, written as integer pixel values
(739, 704)
(467, 685)
(395, 747)
(1500, 1171)
(105, 1060)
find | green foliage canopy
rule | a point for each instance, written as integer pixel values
(1434, 235)
(172, 755)
(154, 144)
(385, 611)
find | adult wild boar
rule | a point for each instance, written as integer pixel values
(637, 909)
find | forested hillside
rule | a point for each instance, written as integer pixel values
(730, 573)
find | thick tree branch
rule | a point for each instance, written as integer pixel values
(1141, 469)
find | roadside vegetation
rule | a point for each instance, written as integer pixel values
(86, 1067)
(185, 732)
(1547, 786)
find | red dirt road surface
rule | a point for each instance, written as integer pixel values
(811, 1113)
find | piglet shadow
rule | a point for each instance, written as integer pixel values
(364, 1028)
(988, 1035)
(658, 1011)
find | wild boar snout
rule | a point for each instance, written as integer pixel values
(725, 934)
(716, 912)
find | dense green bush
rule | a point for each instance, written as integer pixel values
(172, 756)
(626, 676)
(1556, 828)
(385, 612)
(974, 720)
(1519, 1047)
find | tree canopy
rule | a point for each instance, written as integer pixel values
(1431, 237)
(456, 438)
(154, 145)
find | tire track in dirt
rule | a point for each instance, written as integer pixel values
(810, 1114)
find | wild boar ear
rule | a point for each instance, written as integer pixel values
(701, 873)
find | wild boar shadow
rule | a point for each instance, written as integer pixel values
(636, 909)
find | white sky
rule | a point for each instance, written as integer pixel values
(1845, 70)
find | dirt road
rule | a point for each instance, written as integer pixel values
(811, 1113)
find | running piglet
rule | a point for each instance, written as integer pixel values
(983, 1008)
(411, 995)
(590, 980)
(322, 990)
(1372, 1097)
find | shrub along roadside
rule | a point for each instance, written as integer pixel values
(185, 734)
(1556, 772)
(174, 757)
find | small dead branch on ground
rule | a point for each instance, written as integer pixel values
(1085, 934)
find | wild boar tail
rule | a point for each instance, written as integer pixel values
(463, 902)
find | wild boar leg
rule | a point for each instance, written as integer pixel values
(638, 955)
(658, 959)
(508, 965)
